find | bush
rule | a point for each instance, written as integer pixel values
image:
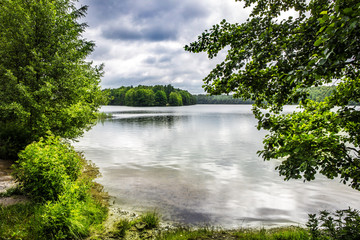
(52, 173)
(44, 168)
(72, 215)
(343, 224)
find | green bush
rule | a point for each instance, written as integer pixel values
(73, 214)
(343, 224)
(45, 167)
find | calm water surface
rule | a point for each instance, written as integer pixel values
(198, 165)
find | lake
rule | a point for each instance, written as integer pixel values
(199, 165)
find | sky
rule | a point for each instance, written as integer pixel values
(141, 42)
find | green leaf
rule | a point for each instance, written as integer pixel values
(318, 42)
(348, 11)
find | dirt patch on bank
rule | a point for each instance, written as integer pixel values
(7, 182)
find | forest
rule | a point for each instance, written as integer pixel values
(317, 94)
(158, 95)
(167, 95)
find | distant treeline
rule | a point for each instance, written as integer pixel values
(318, 94)
(220, 99)
(315, 93)
(157, 95)
(163, 95)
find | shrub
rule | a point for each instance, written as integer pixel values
(72, 215)
(343, 224)
(52, 173)
(45, 167)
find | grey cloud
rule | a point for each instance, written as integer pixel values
(149, 33)
(152, 20)
(150, 60)
(160, 61)
(165, 59)
(101, 11)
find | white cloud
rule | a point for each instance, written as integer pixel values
(141, 42)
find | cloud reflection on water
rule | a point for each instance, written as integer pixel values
(199, 164)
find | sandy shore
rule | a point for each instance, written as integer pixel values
(6, 182)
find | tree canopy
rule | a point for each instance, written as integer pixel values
(158, 95)
(46, 84)
(274, 61)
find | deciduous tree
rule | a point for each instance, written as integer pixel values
(274, 62)
(46, 84)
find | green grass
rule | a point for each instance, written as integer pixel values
(20, 221)
(120, 228)
(287, 233)
(79, 212)
(151, 219)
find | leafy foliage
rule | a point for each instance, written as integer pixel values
(45, 168)
(53, 174)
(45, 82)
(275, 62)
(71, 216)
(175, 99)
(344, 224)
(157, 95)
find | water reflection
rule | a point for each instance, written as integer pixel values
(199, 164)
(148, 120)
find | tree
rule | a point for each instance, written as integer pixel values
(117, 96)
(175, 99)
(160, 98)
(274, 62)
(144, 96)
(139, 97)
(45, 82)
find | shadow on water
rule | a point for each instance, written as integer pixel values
(148, 120)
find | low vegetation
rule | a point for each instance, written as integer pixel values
(253, 234)
(58, 182)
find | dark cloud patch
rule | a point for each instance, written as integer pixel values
(148, 33)
(157, 20)
(150, 60)
(165, 59)
(107, 10)
(159, 61)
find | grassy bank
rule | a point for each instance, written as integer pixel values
(23, 221)
(130, 226)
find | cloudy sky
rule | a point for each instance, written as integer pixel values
(142, 41)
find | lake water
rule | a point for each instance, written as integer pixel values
(198, 165)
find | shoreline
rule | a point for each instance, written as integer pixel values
(118, 211)
(8, 182)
